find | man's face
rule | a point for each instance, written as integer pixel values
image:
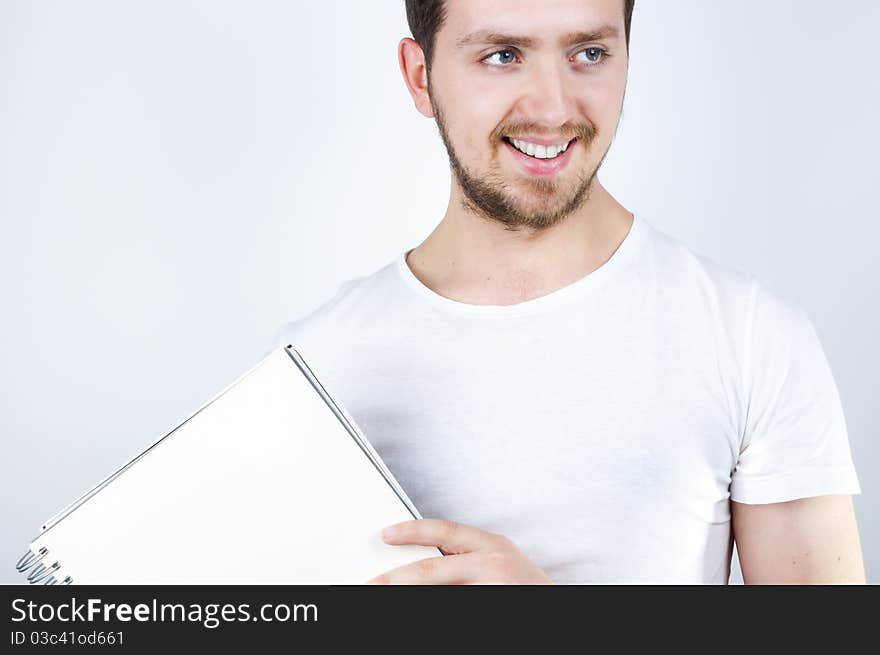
(540, 72)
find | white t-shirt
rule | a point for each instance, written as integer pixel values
(603, 427)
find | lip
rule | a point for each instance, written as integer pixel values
(541, 167)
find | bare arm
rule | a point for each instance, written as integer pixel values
(805, 541)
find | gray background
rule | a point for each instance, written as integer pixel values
(178, 178)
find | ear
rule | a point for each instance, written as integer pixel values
(411, 58)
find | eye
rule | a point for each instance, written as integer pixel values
(593, 55)
(505, 57)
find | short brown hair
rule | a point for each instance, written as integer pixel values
(425, 17)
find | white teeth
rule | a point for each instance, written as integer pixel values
(538, 151)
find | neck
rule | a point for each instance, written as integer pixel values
(473, 260)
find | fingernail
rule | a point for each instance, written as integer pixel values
(389, 533)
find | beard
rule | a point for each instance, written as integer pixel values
(489, 194)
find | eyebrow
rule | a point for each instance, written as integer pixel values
(493, 37)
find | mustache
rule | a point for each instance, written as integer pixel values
(585, 132)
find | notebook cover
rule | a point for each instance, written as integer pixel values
(263, 484)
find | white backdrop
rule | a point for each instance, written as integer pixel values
(179, 177)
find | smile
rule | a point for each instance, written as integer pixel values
(537, 150)
(540, 160)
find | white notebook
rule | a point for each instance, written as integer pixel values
(270, 482)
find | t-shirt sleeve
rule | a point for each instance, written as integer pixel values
(795, 442)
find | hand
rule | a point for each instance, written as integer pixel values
(472, 556)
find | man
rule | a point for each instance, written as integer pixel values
(570, 394)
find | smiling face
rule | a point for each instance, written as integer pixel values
(527, 95)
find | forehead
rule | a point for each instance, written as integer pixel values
(541, 19)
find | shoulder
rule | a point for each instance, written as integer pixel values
(732, 288)
(735, 306)
(683, 273)
(350, 303)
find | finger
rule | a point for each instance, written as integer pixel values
(451, 537)
(455, 569)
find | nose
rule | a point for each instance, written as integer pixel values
(546, 98)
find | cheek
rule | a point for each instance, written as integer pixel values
(483, 113)
(471, 113)
(602, 106)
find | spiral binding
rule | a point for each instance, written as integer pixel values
(40, 572)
